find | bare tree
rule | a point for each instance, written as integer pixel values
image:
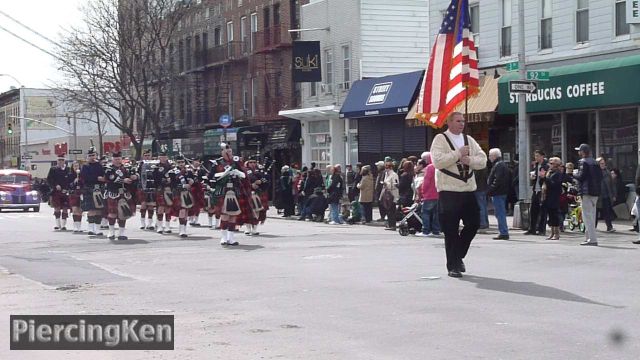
(116, 61)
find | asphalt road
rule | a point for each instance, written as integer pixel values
(303, 290)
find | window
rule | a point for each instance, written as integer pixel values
(267, 18)
(245, 97)
(187, 54)
(254, 96)
(505, 45)
(545, 25)
(254, 29)
(313, 89)
(320, 143)
(346, 67)
(328, 66)
(582, 21)
(217, 36)
(622, 28)
(276, 14)
(229, 31)
(474, 10)
(243, 33)
(180, 56)
(231, 110)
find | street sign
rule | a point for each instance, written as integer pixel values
(538, 75)
(225, 120)
(522, 87)
(512, 66)
(27, 157)
(75, 151)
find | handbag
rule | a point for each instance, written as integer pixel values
(387, 199)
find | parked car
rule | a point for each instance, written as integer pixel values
(17, 191)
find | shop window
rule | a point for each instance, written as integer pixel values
(546, 135)
(320, 143)
(581, 129)
(619, 140)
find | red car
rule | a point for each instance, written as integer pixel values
(17, 192)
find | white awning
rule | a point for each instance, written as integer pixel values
(313, 113)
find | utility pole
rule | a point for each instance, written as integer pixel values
(523, 129)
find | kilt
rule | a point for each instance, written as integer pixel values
(160, 199)
(262, 215)
(112, 206)
(59, 200)
(246, 217)
(197, 192)
(74, 198)
(177, 204)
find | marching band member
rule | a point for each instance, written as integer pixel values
(259, 197)
(164, 195)
(213, 194)
(91, 176)
(104, 223)
(230, 209)
(146, 191)
(119, 197)
(183, 200)
(75, 196)
(58, 179)
(197, 191)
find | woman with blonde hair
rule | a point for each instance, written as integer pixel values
(551, 190)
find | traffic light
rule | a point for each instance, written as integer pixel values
(9, 129)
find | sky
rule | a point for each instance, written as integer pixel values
(29, 66)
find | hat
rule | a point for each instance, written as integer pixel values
(179, 158)
(146, 151)
(197, 158)
(91, 151)
(61, 156)
(162, 153)
(584, 147)
(116, 154)
(285, 168)
(387, 159)
(380, 163)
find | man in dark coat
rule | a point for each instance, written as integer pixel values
(537, 211)
(336, 191)
(499, 182)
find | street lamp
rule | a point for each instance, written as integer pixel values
(14, 79)
(74, 132)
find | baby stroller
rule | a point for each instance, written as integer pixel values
(575, 210)
(411, 223)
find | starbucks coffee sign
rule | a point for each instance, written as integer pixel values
(633, 11)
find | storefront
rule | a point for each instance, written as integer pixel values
(374, 114)
(593, 102)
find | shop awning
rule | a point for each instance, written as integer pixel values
(485, 102)
(312, 113)
(388, 95)
(589, 85)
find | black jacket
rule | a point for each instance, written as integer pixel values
(589, 177)
(545, 165)
(404, 188)
(317, 203)
(499, 180)
(553, 182)
(336, 189)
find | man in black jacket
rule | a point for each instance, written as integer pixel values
(499, 181)
(335, 191)
(537, 212)
(589, 177)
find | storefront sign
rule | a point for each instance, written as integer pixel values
(379, 93)
(597, 84)
(306, 61)
(633, 11)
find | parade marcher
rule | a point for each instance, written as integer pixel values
(181, 182)
(589, 178)
(456, 156)
(537, 212)
(551, 190)
(118, 195)
(498, 183)
(91, 179)
(258, 196)
(197, 191)
(214, 194)
(59, 181)
(75, 197)
(164, 194)
(230, 181)
(147, 190)
(104, 222)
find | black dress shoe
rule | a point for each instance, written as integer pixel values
(461, 267)
(501, 237)
(528, 232)
(636, 242)
(122, 238)
(455, 273)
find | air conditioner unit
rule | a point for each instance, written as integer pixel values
(344, 86)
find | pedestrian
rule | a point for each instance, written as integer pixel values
(405, 185)
(589, 178)
(537, 214)
(390, 195)
(335, 189)
(607, 196)
(551, 190)
(618, 186)
(481, 196)
(379, 186)
(365, 187)
(499, 182)
(350, 180)
(418, 180)
(457, 156)
(315, 206)
(512, 197)
(429, 193)
(286, 191)
(637, 204)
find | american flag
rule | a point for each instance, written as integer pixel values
(452, 75)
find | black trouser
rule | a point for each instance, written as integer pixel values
(391, 216)
(606, 212)
(554, 217)
(537, 214)
(453, 207)
(383, 211)
(368, 211)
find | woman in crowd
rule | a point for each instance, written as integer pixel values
(390, 195)
(365, 187)
(405, 184)
(607, 196)
(551, 190)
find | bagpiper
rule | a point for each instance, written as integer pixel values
(181, 183)
(258, 196)
(75, 197)
(199, 174)
(58, 179)
(214, 193)
(118, 196)
(230, 180)
(146, 190)
(91, 178)
(164, 195)
(104, 223)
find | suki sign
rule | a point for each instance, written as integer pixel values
(379, 93)
(582, 86)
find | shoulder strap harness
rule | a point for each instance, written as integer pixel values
(464, 172)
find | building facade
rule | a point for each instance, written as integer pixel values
(589, 49)
(359, 39)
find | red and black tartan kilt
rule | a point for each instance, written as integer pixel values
(197, 193)
(59, 200)
(74, 198)
(177, 205)
(246, 217)
(112, 206)
(160, 199)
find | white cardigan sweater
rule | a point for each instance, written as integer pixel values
(444, 158)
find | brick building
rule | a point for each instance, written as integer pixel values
(234, 57)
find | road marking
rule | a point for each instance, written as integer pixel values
(328, 256)
(111, 270)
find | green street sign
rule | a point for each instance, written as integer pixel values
(512, 66)
(538, 75)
